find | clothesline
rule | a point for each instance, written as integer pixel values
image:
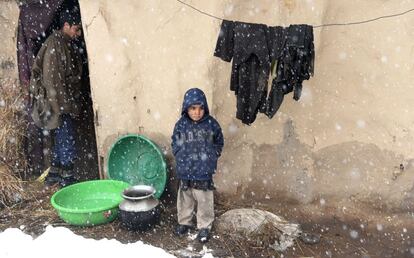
(315, 26)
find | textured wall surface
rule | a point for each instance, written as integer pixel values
(343, 139)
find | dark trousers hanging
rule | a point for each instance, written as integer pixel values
(252, 90)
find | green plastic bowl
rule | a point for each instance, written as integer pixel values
(89, 203)
(138, 161)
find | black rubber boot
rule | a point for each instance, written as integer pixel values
(53, 177)
(203, 235)
(68, 176)
(181, 230)
(68, 180)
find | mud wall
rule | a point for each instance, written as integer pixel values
(9, 14)
(346, 136)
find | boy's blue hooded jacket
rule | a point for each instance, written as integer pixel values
(196, 145)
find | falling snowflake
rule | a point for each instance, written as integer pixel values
(233, 128)
(322, 201)
(109, 58)
(354, 234)
(361, 123)
(228, 10)
(338, 127)
(124, 41)
(342, 55)
(355, 174)
(157, 115)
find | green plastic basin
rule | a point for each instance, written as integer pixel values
(138, 161)
(89, 203)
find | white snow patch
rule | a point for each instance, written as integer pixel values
(53, 241)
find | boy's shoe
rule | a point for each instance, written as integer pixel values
(203, 235)
(53, 177)
(67, 180)
(181, 230)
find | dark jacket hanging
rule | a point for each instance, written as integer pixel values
(292, 50)
(253, 48)
(246, 44)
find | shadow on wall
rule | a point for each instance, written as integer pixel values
(293, 172)
(283, 170)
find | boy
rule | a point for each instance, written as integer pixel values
(55, 91)
(197, 142)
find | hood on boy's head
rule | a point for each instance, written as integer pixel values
(194, 96)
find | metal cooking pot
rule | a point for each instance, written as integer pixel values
(139, 210)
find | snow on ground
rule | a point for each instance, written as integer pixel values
(62, 242)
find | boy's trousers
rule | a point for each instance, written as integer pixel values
(186, 202)
(64, 152)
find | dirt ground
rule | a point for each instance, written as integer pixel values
(346, 229)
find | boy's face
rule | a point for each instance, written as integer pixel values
(73, 31)
(196, 112)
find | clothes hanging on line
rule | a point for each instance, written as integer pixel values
(246, 43)
(292, 50)
(253, 48)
